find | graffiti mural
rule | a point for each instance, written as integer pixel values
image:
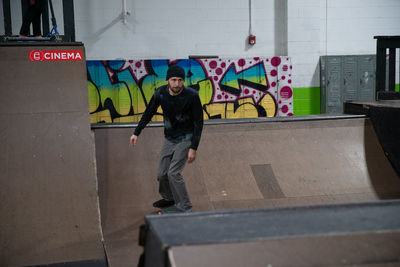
(119, 90)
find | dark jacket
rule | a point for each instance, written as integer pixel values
(183, 115)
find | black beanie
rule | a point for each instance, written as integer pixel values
(175, 71)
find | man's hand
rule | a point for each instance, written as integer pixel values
(191, 155)
(133, 140)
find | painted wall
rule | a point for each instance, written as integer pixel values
(119, 90)
(165, 29)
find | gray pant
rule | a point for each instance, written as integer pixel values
(173, 158)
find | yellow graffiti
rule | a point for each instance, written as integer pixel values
(205, 91)
(101, 116)
(105, 116)
(94, 98)
(246, 108)
(269, 104)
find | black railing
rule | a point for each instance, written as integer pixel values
(385, 43)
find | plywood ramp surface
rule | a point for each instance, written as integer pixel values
(247, 165)
(49, 205)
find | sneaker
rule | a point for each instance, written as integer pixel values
(175, 209)
(163, 203)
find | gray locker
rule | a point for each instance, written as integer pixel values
(350, 78)
(346, 78)
(367, 77)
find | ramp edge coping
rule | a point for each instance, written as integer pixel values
(238, 121)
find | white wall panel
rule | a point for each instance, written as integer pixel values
(179, 28)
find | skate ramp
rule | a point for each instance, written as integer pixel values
(49, 205)
(384, 115)
(243, 165)
(352, 234)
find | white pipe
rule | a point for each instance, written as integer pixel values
(124, 11)
(250, 19)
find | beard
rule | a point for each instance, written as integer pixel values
(176, 90)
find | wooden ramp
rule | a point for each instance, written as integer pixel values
(353, 234)
(49, 205)
(243, 165)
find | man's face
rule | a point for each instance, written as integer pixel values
(175, 84)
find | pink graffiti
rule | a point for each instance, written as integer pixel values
(275, 61)
(286, 92)
(217, 70)
(137, 68)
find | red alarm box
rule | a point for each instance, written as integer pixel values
(252, 39)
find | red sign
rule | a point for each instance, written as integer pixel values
(55, 55)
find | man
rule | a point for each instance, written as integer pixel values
(183, 124)
(32, 16)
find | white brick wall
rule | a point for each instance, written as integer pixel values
(306, 39)
(179, 28)
(336, 27)
(174, 28)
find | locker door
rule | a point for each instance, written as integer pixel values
(333, 85)
(366, 77)
(350, 78)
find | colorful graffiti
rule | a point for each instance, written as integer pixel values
(119, 90)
